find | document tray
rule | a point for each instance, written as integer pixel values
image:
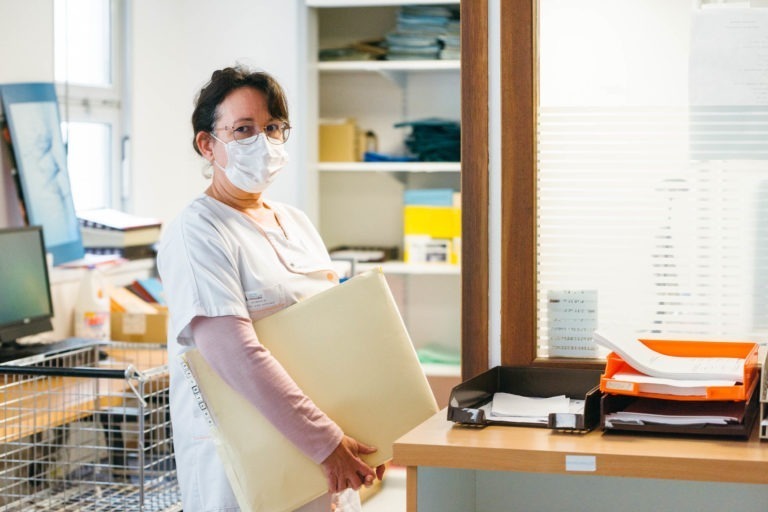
(749, 411)
(467, 398)
(739, 391)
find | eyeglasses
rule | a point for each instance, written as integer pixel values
(248, 133)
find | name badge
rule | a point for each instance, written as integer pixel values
(265, 298)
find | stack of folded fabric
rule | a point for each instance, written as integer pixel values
(418, 32)
(450, 42)
(434, 140)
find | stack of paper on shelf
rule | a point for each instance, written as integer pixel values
(667, 386)
(106, 230)
(347, 348)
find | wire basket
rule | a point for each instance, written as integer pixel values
(87, 428)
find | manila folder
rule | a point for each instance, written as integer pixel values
(347, 348)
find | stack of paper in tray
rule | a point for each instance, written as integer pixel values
(703, 387)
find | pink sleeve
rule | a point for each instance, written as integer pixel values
(229, 344)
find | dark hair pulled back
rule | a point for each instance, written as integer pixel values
(223, 82)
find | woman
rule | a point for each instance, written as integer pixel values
(232, 257)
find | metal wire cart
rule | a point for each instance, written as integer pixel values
(87, 428)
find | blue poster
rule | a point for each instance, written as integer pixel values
(32, 113)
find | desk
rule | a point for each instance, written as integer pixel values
(518, 468)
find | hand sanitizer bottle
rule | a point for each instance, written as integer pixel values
(92, 308)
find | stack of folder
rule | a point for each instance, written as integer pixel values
(350, 333)
(680, 387)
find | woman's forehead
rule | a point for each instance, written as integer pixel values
(244, 102)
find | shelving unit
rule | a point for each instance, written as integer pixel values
(361, 203)
(412, 167)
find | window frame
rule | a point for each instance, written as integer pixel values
(104, 105)
(519, 103)
(518, 77)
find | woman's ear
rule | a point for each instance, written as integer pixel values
(205, 144)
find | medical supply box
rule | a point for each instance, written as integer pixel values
(339, 140)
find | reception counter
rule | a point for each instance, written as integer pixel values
(519, 468)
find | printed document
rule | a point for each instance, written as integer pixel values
(678, 387)
(652, 363)
(511, 408)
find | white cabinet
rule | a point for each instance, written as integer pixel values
(360, 203)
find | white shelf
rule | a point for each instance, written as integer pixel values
(375, 3)
(401, 268)
(389, 166)
(379, 66)
(441, 370)
(116, 272)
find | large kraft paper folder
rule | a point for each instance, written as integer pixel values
(347, 348)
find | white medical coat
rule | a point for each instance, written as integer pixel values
(215, 261)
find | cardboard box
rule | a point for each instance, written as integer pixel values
(339, 141)
(140, 327)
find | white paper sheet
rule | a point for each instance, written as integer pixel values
(511, 408)
(729, 60)
(678, 387)
(644, 419)
(650, 362)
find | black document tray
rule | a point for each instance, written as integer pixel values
(613, 403)
(467, 398)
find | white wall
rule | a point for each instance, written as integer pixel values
(26, 41)
(177, 44)
(26, 55)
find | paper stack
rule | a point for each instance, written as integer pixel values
(678, 386)
(109, 231)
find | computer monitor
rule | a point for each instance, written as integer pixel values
(26, 307)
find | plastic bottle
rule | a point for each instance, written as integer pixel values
(92, 307)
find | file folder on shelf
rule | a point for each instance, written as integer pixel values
(347, 348)
(739, 391)
(467, 398)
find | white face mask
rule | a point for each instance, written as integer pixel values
(252, 167)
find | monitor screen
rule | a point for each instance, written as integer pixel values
(26, 307)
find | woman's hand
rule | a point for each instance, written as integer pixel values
(344, 469)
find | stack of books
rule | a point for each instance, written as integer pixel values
(109, 231)
(679, 387)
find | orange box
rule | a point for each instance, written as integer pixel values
(739, 392)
